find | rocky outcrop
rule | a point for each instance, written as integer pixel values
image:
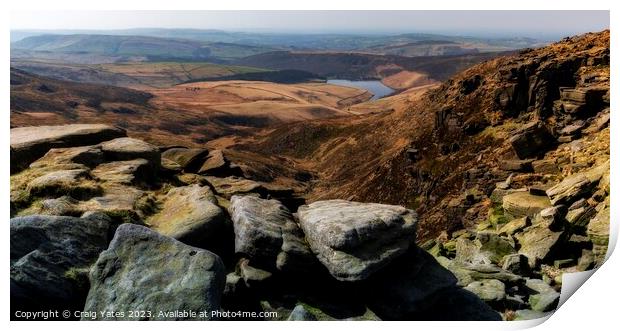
(514, 259)
(538, 242)
(232, 185)
(353, 239)
(144, 271)
(359, 243)
(30, 143)
(266, 233)
(50, 259)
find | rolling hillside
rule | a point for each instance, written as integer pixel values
(132, 74)
(150, 48)
(187, 114)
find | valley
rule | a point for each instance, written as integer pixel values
(199, 112)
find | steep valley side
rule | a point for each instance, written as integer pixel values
(456, 138)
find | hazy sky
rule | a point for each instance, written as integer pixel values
(481, 23)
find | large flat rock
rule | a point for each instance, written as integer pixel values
(354, 239)
(145, 271)
(130, 172)
(30, 143)
(125, 149)
(521, 204)
(191, 215)
(577, 185)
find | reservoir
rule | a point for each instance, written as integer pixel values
(373, 86)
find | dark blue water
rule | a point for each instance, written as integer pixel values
(373, 86)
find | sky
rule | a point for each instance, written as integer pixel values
(537, 24)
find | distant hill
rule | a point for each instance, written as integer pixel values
(278, 76)
(359, 66)
(322, 41)
(150, 48)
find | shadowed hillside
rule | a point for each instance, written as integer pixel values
(361, 66)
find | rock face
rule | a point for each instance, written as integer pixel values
(50, 257)
(191, 215)
(119, 202)
(232, 185)
(266, 233)
(30, 143)
(143, 270)
(354, 239)
(409, 285)
(533, 139)
(487, 248)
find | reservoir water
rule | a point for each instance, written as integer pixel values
(373, 86)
